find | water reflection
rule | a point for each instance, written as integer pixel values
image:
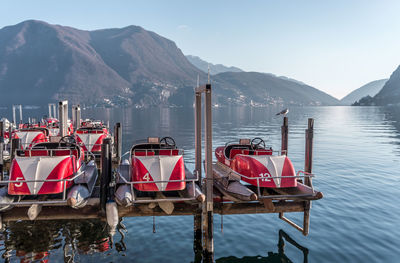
(273, 257)
(38, 241)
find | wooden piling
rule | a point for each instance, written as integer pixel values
(208, 226)
(285, 135)
(308, 169)
(105, 172)
(309, 150)
(197, 219)
(118, 142)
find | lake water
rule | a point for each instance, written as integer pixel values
(356, 162)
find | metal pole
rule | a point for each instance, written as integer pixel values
(284, 132)
(208, 226)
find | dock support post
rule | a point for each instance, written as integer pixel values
(285, 133)
(118, 141)
(309, 150)
(197, 224)
(63, 115)
(208, 226)
(105, 172)
(207, 186)
(308, 169)
(1, 150)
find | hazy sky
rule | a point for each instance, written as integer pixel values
(335, 46)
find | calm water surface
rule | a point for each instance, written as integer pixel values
(356, 161)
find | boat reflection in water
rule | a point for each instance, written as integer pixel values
(37, 241)
(272, 257)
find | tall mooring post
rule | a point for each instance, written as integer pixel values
(285, 133)
(118, 142)
(63, 117)
(308, 169)
(207, 186)
(14, 108)
(52, 110)
(76, 116)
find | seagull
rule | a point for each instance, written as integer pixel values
(284, 112)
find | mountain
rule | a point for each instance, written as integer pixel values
(263, 89)
(369, 89)
(46, 62)
(214, 68)
(390, 93)
(40, 63)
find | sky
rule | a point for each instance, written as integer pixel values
(335, 46)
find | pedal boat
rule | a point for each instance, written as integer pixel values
(156, 173)
(91, 135)
(268, 174)
(31, 135)
(49, 173)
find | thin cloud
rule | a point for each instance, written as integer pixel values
(184, 27)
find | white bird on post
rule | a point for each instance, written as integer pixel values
(284, 112)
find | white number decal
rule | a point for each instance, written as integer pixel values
(18, 179)
(265, 175)
(146, 177)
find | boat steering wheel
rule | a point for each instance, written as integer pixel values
(69, 140)
(256, 143)
(168, 141)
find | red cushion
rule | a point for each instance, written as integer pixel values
(169, 152)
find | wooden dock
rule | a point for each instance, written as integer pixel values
(213, 184)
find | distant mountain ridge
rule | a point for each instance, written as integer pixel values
(40, 62)
(214, 68)
(390, 93)
(369, 89)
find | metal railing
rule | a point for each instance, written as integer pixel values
(258, 178)
(57, 201)
(168, 199)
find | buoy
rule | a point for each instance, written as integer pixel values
(6, 200)
(112, 216)
(78, 196)
(123, 195)
(34, 211)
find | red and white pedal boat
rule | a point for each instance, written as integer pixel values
(49, 173)
(250, 161)
(31, 135)
(91, 135)
(156, 169)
